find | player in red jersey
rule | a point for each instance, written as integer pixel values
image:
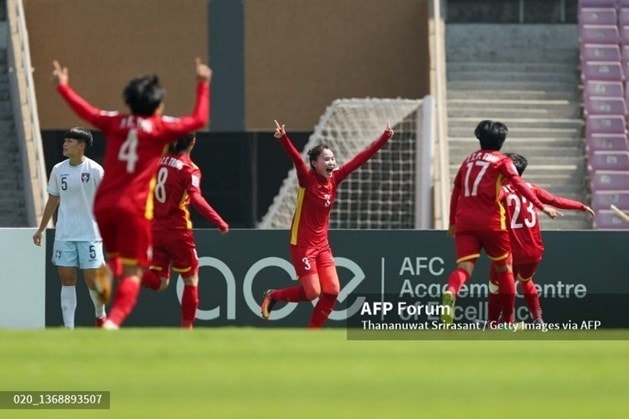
(124, 201)
(477, 218)
(178, 185)
(527, 247)
(309, 246)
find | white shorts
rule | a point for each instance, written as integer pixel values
(83, 254)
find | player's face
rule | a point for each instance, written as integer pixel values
(72, 148)
(325, 163)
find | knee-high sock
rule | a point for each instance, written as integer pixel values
(189, 304)
(529, 291)
(322, 310)
(507, 295)
(68, 305)
(493, 298)
(124, 300)
(290, 294)
(151, 280)
(99, 308)
(457, 278)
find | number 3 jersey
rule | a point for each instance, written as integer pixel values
(178, 184)
(475, 201)
(76, 187)
(524, 229)
(134, 147)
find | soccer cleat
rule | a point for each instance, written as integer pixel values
(100, 321)
(102, 284)
(267, 305)
(447, 307)
(109, 325)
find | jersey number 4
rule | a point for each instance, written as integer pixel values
(129, 150)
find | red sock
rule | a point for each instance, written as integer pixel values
(151, 280)
(457, 278)
(507, 295)
(124, 300)
(493, 298)
(322, 310)
(189, 304)
(291, 294)
(529, 290)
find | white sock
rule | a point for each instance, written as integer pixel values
(68, 305)
(99, 308)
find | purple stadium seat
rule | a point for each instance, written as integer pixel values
(606, 142)
(600, 105)
(609, 160)
(623, 16)
(609, 180)
(604, 124)
(608, 220)
(597, 3)
(604, 88)
(599, 34)
(600, 52)
(601, 200)
(598, 16)
(624, 35)
(603, 70)
(620, 3)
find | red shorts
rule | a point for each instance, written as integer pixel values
(176, 247)
(307, 260)
(126, 234)
(496, 244)
(524, 270)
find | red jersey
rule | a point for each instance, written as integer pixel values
(134, 146)
(475, 201)
(178, 184)
(524, 229)
(316, 195)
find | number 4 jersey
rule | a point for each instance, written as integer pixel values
(134, 147)
(475, 201)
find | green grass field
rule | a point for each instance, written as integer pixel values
(294, 373)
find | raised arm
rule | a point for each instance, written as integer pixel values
(287, 144)
(364, 155)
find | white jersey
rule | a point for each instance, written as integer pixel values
(76, 187)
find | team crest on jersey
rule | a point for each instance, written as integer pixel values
(58, 254)
(85, 177)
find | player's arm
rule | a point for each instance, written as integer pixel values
(454, 202)
(564, 203)
(286, 143)
(360, 159)
(51, 205)
(523, 189)
(201, 113)
(206, 210)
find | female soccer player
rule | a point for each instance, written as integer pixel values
(309, 246)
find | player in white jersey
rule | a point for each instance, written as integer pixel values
(78, 244)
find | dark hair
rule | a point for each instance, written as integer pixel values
(80, 134)
(519, 161)
(143, 95)
(181, 144)
(492, 134)
(315, 152)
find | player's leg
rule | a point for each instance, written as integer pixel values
(182, 251)
(133, 241)
(90, 259)
(493, 298)
(66, 260)
(330, 287)
(498, 247)
(467, 252)
(309, 287)
(524, 274)
(157, 277)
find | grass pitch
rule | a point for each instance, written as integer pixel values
(294, 373)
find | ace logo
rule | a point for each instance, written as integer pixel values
(230, 303)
